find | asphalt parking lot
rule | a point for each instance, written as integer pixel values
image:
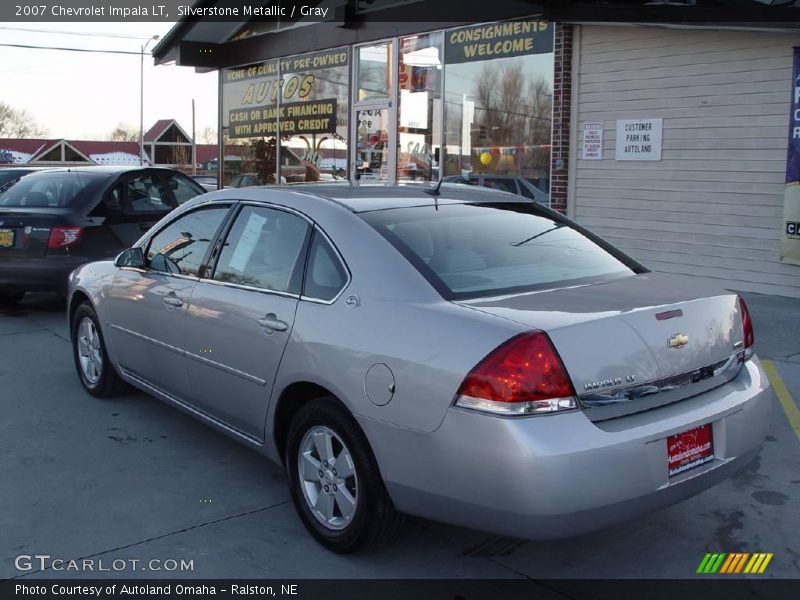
(131, 478)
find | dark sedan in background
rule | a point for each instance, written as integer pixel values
(514, 184)
(56, 220)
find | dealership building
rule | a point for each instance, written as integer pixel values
(662, 128)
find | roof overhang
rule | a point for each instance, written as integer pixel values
(207, 44)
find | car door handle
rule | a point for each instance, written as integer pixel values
(173, 301)
(272, 322)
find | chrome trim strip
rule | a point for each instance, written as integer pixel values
(155, 342)
(249, 288)
(609, 403)
(227, 369)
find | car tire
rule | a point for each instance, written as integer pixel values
(95, 370)
(357, 483)
(9, 299)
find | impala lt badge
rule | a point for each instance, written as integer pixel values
(678, 340)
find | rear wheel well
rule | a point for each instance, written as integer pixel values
(77, 299)
(291, 400)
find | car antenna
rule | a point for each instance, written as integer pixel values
(434, 191)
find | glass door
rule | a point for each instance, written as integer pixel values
(374, 115)
(372, 144)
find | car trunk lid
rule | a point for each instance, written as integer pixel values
(634, 343)
(24, 232)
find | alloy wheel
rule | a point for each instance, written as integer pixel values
(327, 477)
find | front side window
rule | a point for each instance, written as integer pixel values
(263, 250)
(325, 275)
(474, 250)
(179, 248)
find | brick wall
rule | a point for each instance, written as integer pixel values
(562, 95)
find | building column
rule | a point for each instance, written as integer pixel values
(562, 92)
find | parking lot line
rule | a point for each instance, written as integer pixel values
(784, 397)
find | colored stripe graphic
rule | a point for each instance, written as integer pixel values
(764, 564)
(711, 562)
(735, 562)
(704, 563)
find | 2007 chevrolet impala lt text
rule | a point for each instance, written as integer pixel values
(456, 353)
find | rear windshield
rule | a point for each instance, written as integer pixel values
(48, 190)
(473, 250)
(8, 176)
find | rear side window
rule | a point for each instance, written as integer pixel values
(498, 183)
(183, 189)
(473, 250)
(179, 248)
(263, 250)
(146, 194)
(325, 275)
(48, 190)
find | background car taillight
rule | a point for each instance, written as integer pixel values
(64, 237)
(747, 328)
(523, 376)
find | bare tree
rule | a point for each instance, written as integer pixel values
(208, 135)
(124, 133)
(514, 111)
(181, 156)
(18, 123)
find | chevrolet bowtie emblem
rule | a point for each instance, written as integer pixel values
(678, 340)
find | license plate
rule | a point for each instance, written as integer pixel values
(6, 238)
(689, 449)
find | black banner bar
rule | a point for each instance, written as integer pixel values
(705, 588)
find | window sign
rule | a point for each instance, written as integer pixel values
(498, 40)
(639, 139)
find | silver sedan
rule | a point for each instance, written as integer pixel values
(456, 353)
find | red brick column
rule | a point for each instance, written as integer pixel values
(562, 98)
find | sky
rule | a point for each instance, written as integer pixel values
(78, 95)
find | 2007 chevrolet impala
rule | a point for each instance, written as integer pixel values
(460, 354)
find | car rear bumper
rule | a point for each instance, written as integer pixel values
(563, 475)
(45, 274)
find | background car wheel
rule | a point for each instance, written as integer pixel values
(96, 372)
(8, 299)
(334, 479)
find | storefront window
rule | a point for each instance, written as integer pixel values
(314, 116)
(420, 108)
(471, 104)
(249, 122)
(498, 100)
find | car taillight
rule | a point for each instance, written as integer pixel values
(523, 376)
(64, 237)
(747, 328)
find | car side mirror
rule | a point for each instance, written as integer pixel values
(132, 258)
